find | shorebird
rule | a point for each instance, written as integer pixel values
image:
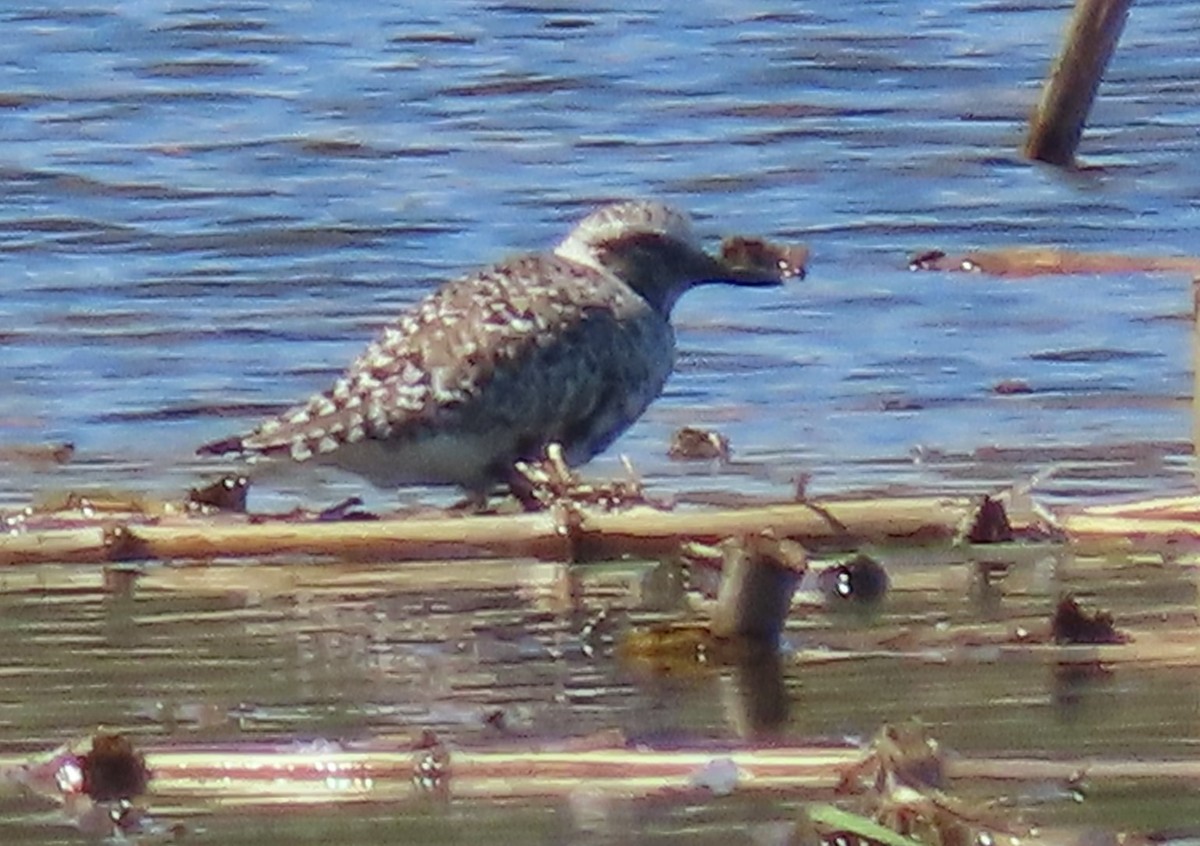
(567, 346)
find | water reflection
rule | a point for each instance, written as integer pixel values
(758, 704)
(491, 652)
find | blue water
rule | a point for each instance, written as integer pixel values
(211, 206)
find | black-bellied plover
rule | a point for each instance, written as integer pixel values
(568, 346)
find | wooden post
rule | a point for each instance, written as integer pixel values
(1057, 124)
(1196, 375)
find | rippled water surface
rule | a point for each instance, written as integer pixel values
(207, 208)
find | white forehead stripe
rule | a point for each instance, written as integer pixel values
(619, 220)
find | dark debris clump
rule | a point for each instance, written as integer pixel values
(991, 524)
(692, 444)
(1071, 624)
(226, 494)
(861, 580)
(113, 770)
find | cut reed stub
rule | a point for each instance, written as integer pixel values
(759, 576)
(991, 523)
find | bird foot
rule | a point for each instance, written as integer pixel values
(542, 485)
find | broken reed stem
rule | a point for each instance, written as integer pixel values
(1160, 523)
(1099, 533)
(636, 531)
(1057, 124)
(246, 775)
(846, 522)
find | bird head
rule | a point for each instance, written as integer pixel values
(652, 248)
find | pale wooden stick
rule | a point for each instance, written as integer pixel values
(252, 774)
(1157, 523)
(559, 535)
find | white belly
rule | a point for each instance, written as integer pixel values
(456, 458)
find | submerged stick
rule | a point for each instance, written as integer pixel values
(249, 774)
(1049, 261)
(327, 772)
(1057, 124)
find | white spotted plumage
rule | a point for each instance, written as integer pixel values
(567, 346)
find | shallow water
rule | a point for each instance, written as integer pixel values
(208, 208)
(496, 656)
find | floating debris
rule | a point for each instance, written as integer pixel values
(621, 520)
(347, 509)
(431, 764)
(225, 494)
(742, 252)
(113, 770)
(861, 581)
(38, 454)
(692, 444)
(991, 523)
(1071, 624)
(1011, 387)
(1049, 261)
(102, 502)
(905, 771)
(896, 783)
(683, 649)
